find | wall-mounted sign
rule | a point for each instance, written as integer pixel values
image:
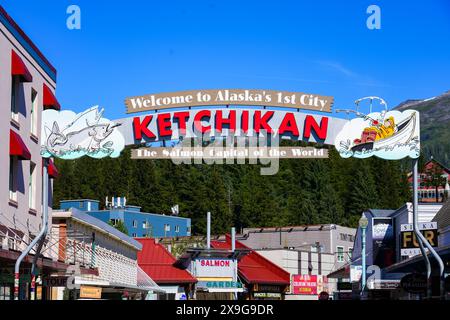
(355, 273)
(388, 135)
(414, 283)
(308, 284)
(224, 97)
(55, 282)
(68, 135)
(87, 292)
(409, 245)
(223, 284)
(383, 246)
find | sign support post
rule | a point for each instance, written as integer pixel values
(421, 239)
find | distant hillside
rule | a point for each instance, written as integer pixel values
(434, 125)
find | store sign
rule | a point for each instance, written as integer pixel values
(68, 135)
(55, 282)
(87, 292)
(355, 273)
(383, 246)
(344, 286)
(409, 243)
(414, 283)
(217, 268)
(270, 295)
(223, 285)
(308, 284)
(224, 97)
(388, 135)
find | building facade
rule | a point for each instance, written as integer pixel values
(27, 86)
(329, 238)
(433, 181)
(105, 259)
(385, 262)
(138, 224)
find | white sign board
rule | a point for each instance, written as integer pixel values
(217, 268)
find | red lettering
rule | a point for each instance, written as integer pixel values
(182, 118)
(198, 121)
(244, 121)
(164, 125)
(141, 128)
(289, 124)
(320, 131)
(231, 120)
(261, 122)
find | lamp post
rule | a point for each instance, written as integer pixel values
(363, 222)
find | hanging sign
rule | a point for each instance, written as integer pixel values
(390, 135)
(68, 135)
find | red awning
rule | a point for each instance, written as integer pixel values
(52, 170)
(50, 101)
(19, 69)
(17, 147)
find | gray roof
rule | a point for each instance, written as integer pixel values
(381, 212)
(84, 217)
(443, 216)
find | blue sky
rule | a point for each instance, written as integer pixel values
(133, 47)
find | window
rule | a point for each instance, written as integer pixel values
(177, 229)
(167, 227)
(134, 223)
(340, 254)
(134, 235)
(13, 178)
(32, 187)
(145, 225)
(34, 112)
(14, 91)
(114, 221)
(350, 252)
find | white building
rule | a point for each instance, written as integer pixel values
(105, 257)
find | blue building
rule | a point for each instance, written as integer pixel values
(138, 224)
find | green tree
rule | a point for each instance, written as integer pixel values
(119, 225)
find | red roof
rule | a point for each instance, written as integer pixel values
(254, 268)
(157, 262)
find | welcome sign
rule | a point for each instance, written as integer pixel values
(224, 97)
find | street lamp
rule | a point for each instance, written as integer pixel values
(363, 222)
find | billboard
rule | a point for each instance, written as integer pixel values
(309, 284)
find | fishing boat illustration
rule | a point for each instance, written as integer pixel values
(380, 131)
(404, 133)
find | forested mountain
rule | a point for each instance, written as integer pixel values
(333, 190)
(434, 125)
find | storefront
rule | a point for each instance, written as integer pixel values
(216, 271)
(262, 279)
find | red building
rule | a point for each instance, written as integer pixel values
(158, 263)
(433, 177)
(262, 278)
